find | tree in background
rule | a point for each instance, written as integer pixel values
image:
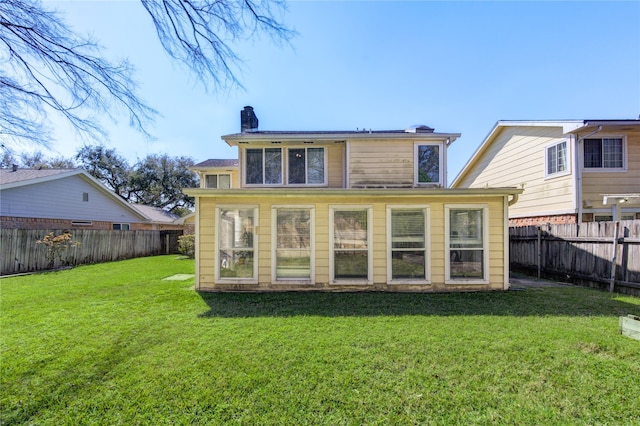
(37, 160)
(109, 167)
(48, 68)
(157, 180)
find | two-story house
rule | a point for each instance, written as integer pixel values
(571, 171)
(346, 210)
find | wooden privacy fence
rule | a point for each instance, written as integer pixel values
(21, 253)
(598, 254)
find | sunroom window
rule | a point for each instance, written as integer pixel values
(407, 229)
(466, 244)
(293, 243)
(428, 169)
(236, 243)
(350, 244)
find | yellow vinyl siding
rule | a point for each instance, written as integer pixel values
(375, 164)
(597, 183)
(322, 204)
(335, 165)
(516, 158)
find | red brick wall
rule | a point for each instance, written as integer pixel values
(10, 222)
(541, 220)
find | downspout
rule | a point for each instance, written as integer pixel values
(507, 242)
(578, 167)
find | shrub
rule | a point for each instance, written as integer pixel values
(57, 246)
(187, 245)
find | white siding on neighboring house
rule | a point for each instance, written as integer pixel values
(64, 199)
(516, 158)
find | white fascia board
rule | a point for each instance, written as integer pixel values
(233, 140)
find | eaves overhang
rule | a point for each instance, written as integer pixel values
(350, 193)
(333, 136)
(606, 126)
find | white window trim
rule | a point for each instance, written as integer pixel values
(306, 185)
(605, 169)
(231, 280)
(441, 165)
(204, 181)
(274, 241)
(282, 168)
(369, 279)
(485, 244)
(427, 243)
(566, 172)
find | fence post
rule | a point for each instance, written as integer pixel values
(539, 251)
(614, 257)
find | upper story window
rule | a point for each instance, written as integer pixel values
(264, 166)
(556, 156)
(304, 166)
(222, 181)
(603, 153)
(428, 164)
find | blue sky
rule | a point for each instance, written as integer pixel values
(456, 66)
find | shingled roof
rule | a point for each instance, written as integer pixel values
(217, 163)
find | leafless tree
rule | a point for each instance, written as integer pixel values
(46, 67)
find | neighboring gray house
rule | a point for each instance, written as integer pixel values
(69, 199)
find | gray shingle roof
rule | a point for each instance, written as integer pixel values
(155, 214)
(21, 175)
(218, 163)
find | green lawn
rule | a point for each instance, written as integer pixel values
(115, 344)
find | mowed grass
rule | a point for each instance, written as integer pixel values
(115, 344)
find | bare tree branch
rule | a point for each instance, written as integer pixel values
(198, 33)
(48, 68)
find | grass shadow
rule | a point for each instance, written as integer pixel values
(561, 301)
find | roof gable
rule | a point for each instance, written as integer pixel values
(27, 177)
(566, 125)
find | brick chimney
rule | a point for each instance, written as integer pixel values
(248, 120)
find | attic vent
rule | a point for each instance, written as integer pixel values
(276, 142)
(81, 223)
(85, 196)
(419, 128)
(308, 142)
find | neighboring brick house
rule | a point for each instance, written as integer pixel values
(70, 199)
(571, 171)
(346, 211)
